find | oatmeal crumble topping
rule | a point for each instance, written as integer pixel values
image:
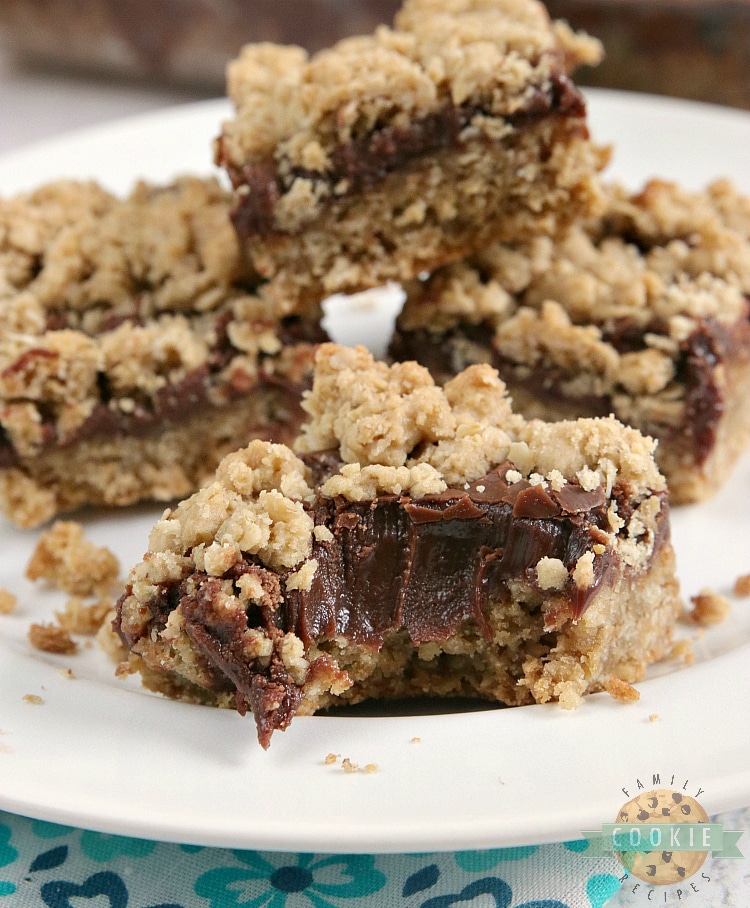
(397, 431)
(440, 52)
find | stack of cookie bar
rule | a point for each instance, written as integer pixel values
(391, 154)
(398, 529)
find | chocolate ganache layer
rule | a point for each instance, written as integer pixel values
(426, 567)
(197, 390)
(359, 165)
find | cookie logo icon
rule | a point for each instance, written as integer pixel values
(668, 861)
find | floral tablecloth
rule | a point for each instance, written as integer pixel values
(44, 864)
(51, 866)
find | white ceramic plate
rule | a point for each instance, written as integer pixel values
(103, 754)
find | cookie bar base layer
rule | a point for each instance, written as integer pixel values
(698, 443)
(433, 209)
(161, 465)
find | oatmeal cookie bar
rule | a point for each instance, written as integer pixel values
(390, 154)
(134, 353)
(422, 540)
(642, 313)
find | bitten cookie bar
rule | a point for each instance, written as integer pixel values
(642, 313)
(133, 352)
(388, 155)
(421, 541)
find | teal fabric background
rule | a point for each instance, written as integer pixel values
(45, 865)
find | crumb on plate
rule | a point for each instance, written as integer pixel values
(51, 638)
(683, 651)
(709, 608)
(7, 601)
(621, 690)
(69, 561)
(86, 619)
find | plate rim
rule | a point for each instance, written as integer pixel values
(432, 838)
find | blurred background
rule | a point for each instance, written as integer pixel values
(65, 64)
(697, 49)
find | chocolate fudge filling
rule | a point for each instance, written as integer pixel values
(196, 391)
(361, 164)
(427, 567)
(709, 346)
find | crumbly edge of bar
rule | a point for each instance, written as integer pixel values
(428, 214)
(59, 380)
(296, 109)
(162, 466)
(695, 264)
(691, 483)
(627, 627)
